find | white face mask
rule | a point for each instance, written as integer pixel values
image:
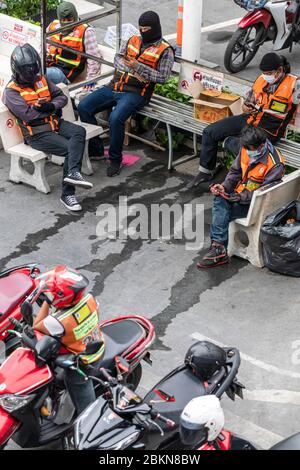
(270, 78)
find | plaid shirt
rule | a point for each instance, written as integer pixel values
(90, 47)
(159, 75)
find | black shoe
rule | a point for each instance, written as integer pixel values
(71, 203)
(76, 179)
(216, 256)
(113, 169)
(199, 179)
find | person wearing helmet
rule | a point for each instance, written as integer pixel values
(63, 66)
(37, 104)
(72, 315)
(201, 421)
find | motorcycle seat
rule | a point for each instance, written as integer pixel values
(119, 337)
(13, 289)
(291, 443)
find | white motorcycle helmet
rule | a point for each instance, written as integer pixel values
(201, 421)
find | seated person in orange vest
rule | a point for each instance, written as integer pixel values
(37, 104)
(72, 315)
(142, 62)
(64, 66)
(258, 164)
(270, 105)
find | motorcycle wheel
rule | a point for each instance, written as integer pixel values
(245, 44)
(134, 378)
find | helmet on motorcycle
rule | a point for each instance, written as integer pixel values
(25, 65)
(205, 359)
(201, 421)
(63, 286)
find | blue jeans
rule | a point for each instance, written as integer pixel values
(124, 105)
(223, 213)
(56, 75)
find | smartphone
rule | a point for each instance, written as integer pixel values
(42, 100)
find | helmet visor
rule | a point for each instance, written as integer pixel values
(30, 73)
(191, 434)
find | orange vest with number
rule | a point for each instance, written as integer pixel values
(71, 63)
(125, 81)
(81, 325)
(253, 177)
(31, 96)
(277, 107)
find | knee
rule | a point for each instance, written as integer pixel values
(115, 119)
(83, 108)
(80, 131)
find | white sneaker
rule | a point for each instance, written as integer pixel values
(71, 203)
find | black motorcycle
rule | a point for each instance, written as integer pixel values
(121, 419)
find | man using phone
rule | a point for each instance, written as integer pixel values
(269, 105)
(145, 60)
(258, 164)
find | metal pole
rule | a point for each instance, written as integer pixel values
(192, 23)
(179, 28)
(118, 24)
(43, 35)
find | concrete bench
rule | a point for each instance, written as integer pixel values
(244, 234)
(14, 145)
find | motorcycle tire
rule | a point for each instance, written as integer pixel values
(134, 378)
(235, 47)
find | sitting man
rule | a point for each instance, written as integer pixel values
(270, 105)
(72, 315)
(144, 61)
(257, 165)
(37, 104)
(64, 66)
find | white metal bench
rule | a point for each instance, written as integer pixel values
(14, 145)
(244, 234)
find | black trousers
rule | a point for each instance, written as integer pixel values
(68, 142)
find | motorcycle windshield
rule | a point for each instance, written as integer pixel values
(19, 373)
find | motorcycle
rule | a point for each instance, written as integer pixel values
(35, 407)
(121, 419)
(265, 21)
(16, 285)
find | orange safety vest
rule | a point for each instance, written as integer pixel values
(125, 81)
(81, 325)
(253, 177)
(31, 96)
(72, 64)
(277, 107)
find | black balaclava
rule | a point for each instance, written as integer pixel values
(150, 18)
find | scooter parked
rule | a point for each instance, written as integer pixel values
(123, 420)
(35, 408)
(265, 21)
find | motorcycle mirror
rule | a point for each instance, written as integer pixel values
(26, 310)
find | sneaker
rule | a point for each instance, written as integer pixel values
(71, 203)
(216, 256)
(113, 169)
(76, 179)
(199, 179)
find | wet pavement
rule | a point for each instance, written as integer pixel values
(235, 305)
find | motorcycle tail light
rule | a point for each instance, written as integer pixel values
(12, 403)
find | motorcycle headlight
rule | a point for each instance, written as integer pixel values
(12, 403)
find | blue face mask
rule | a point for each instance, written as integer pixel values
(254, 154)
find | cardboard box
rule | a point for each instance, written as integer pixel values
(211, 106)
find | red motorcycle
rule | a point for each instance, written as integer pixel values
(35, 407)
(16, 285)
(265, 21)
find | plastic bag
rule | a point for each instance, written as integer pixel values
(280, 237)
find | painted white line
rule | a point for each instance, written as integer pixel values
(257, 435)
(273, 396)
(252, 360)
(211, 27)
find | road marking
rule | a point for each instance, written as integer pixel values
(252, 360)
(273, 396)
(211, 27)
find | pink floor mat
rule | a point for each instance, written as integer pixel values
(128, 159)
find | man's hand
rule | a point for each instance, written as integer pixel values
(44, 107)
(217, 189)
(233, 197)
(130, 62)
(247, 109)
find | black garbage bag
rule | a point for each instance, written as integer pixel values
(280, 237)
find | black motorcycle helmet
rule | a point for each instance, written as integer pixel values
(25, 65)
(205, 359)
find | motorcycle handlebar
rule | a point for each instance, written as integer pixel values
(156, 415)
(234, 362)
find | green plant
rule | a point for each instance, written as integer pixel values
(27, 9)
(170, 90)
